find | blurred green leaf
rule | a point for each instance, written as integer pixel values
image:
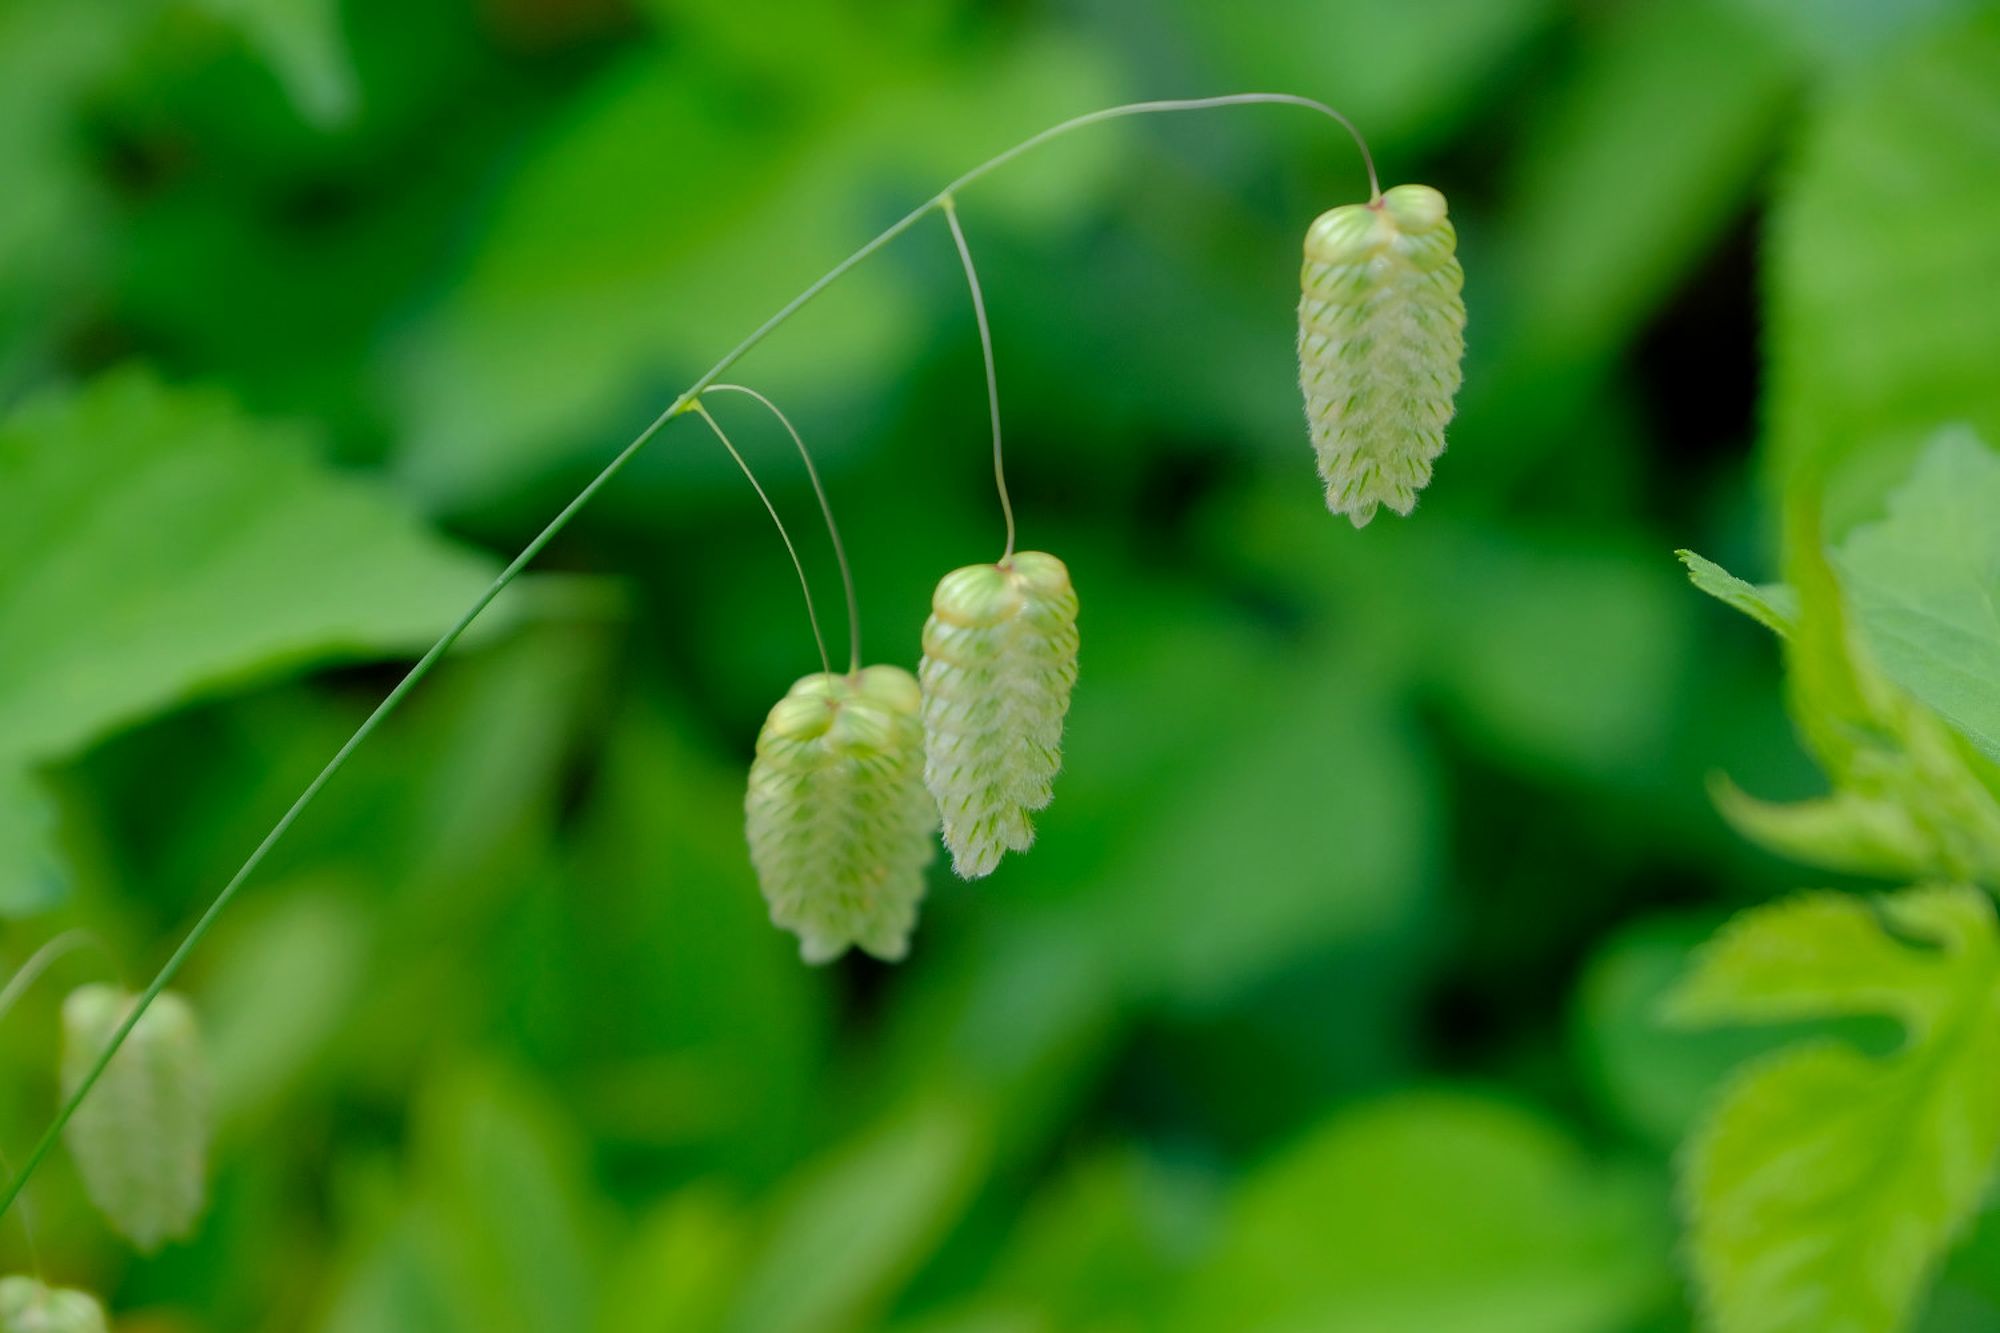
(1404, 71)
(1880, 329)
(156, 545)
(503, 1178)
(52, 230)
(1925, 585)
(646, 234)
(31, 872)
(1102, 1248)
(1645, 152)
(1827, 1184)
(278, 980)
(302, 41)
(1186, 913)
(856, 1224)
(1841, 34)
(1434, 1212)
(1654, 1079)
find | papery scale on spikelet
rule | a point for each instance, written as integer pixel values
(836, 813)
(1000, 661)
(1381, 335)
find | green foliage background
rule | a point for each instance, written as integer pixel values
(1327, 999)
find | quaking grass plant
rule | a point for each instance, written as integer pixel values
(854, 771)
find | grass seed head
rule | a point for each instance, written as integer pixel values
(1000, 652)
(29, 1306)
(838, 820)
(140, 1139)
(1381, 333)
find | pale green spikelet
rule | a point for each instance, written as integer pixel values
(999, 664)
(29, 1306)
(837, 816)
(1381, 332)
(140, 1138)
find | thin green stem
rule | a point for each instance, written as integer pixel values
(992, 378)
(39, 962)
(28, 1233)
(171, 968)
(805, 585)
(825, 508)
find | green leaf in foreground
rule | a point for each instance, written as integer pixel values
(1772, 605)
(156, 544)
(1826, 1185)
(1911, 799)
(1924, 583)
(140, 1138)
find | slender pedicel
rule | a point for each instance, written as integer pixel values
(805, 586)
(825, 508)
(992, 378)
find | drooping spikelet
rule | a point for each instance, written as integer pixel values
(31, 1306)
(1381, 332)
(140, 1139)
(999, 663)
(837, 816)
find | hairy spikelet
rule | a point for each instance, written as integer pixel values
(838, 819)
(1381, 331)
(28, 1306)
(140, 1138)
(999, 663)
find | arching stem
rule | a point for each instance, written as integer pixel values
(805, 585)
(826, 509)
(685, 402)
(41, 961)
(992, 379)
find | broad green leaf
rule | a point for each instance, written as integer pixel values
(1434, 1212)
(1772, 605)
(1882, 326)
(156, 545)
(31, 1306)
(1911, 799)
(140, 1139)
(1924, 583)
(1827, 1184)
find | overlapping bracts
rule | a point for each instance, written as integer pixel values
(838, 820)
(1381, 334)
(1000, 651)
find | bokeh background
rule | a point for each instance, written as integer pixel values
(1322, 1002)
